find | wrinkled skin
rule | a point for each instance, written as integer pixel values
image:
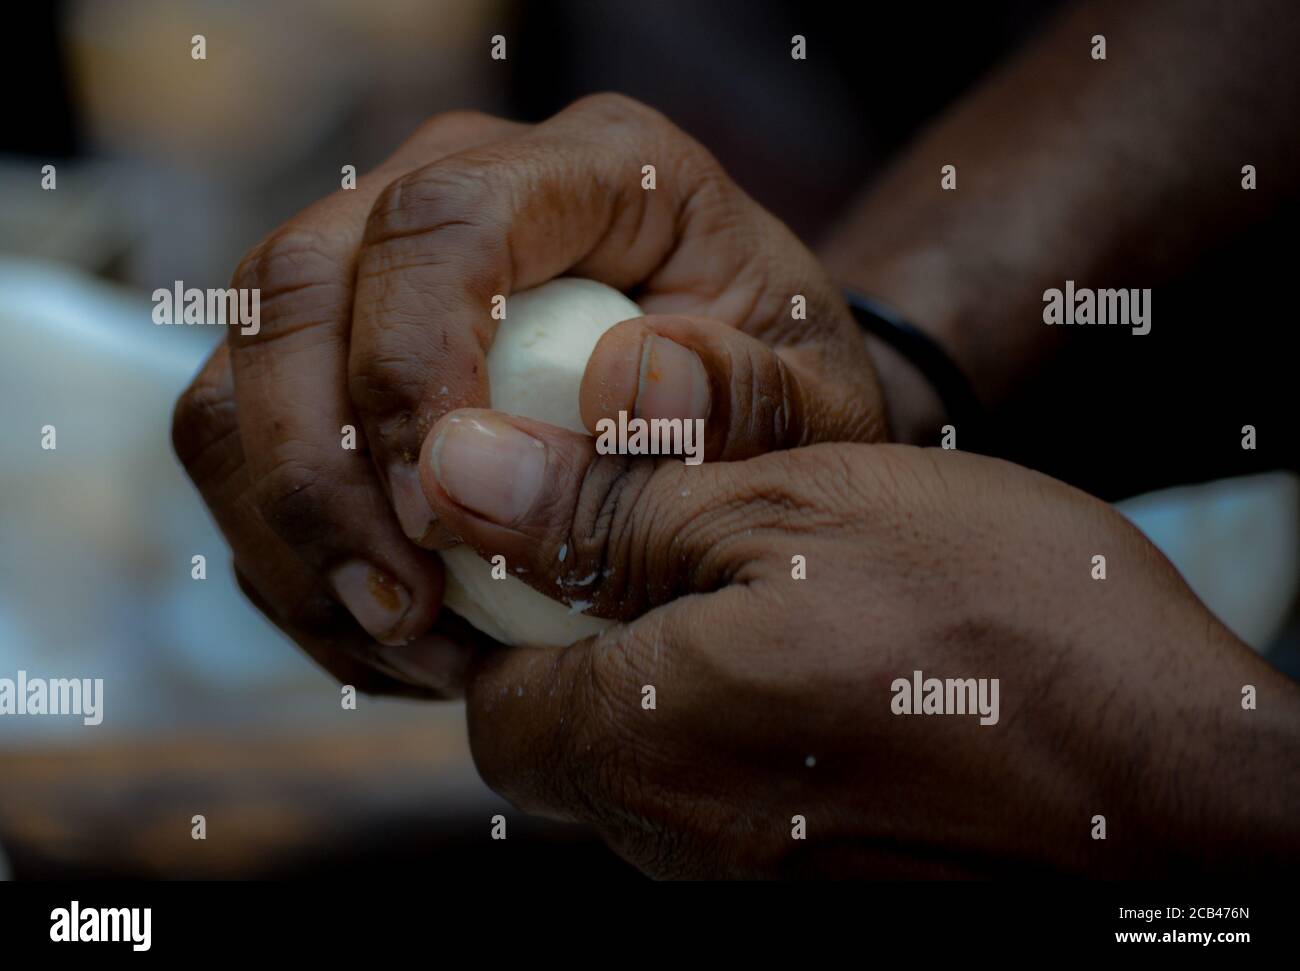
(375, 313)
(1119, 697)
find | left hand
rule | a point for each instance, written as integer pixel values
(376, 317)
(1118, 698)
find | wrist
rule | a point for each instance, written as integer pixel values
(969, 311)
(916, 413)
(922, 386)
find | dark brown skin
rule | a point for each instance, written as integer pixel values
(376, 313)
(1119, 697)
(1120, 172)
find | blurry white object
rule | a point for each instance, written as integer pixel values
(98, 534)
(1236, 542)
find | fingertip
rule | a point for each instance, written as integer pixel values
(653, 367)
(430, 460)
(393, 605)
(487, 464)
(609, 383)
(673, 382)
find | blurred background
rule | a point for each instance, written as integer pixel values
(170, 169)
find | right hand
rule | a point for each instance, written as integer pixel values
(775, 692)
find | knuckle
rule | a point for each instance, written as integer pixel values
(451, 218)
(455, 125)
(299, 280)
(789, 501)
(713, 207)
(633, 552)
(204, 414)
(821, 487)
(447, 195)
(294, 499)
(613, 107)
(190, 423)
(290, 259)
(747, 501)
(702, 169)
(387, 383)
(699, 182)
(695, 165)
(765, 403)
(612, 509)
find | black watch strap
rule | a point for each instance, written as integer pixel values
(965, 413)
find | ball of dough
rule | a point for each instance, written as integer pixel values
(535, 369)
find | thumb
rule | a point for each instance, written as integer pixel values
(755, 398)
(619, 533)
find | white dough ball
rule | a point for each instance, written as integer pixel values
(535, 369)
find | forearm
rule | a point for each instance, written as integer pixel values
(1111, 173)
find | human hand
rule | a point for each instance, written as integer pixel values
(375, 313)
(774, 697)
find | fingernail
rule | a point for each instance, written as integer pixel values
(673, 382)
(489, 467)
(413, 511)
(376, 600)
